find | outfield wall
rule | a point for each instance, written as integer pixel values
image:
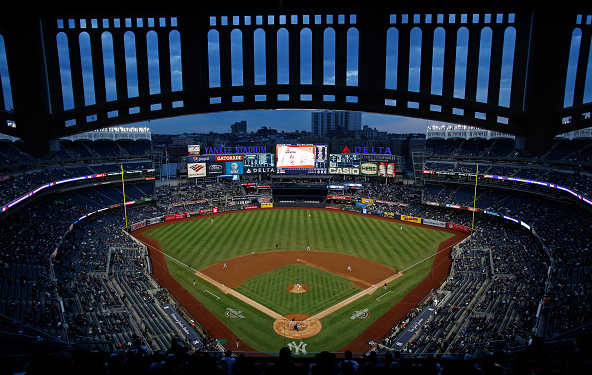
(215, 210)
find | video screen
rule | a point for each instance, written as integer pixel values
(302, 159)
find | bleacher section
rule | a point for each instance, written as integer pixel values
(135, 148)
(12, 154)
(440, 147)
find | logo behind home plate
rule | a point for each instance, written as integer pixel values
(360, 314)
(233, 313)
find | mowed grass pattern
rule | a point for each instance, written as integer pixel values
(201, 243)
(271, 289)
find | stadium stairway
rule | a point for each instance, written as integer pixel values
(458, 149)
(122, 151)
(159, 334)
(90, 150)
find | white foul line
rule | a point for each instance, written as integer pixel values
(390, 291)
(211, 293)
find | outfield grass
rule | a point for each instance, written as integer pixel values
(324, 289)
(201, 243)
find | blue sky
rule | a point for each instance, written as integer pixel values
(290, 120)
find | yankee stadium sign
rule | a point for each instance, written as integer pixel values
(235, 150)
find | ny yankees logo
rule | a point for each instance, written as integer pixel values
(297, 348)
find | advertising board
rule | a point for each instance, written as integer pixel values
(155, 220)
(193, 149)
(258, 163)
(369, 168)
(182, 326)
(215, 169)
(434, 223)
(234, 167)
(339, 197)
(200, 158)
(458, 227)
(385, 158)
(196, 170)
(201, 212)
(174, 217)
(229, 158)
(138, 225)
(411, 219)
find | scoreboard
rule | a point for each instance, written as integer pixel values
(302, 158)
(259, 160)
(258, 163)
(344, 164)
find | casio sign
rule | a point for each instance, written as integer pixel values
(333, 170)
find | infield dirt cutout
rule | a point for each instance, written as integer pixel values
(366, 274)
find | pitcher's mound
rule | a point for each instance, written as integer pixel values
(297, 288)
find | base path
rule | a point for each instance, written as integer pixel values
(242, 297)
(364, 273)
(356, 296)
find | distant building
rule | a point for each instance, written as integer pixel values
(368, 133)
(183, 141)
(323, 122)
(266, 132)
(239, 127)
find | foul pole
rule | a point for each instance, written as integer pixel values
(474, 198)
(124, 206)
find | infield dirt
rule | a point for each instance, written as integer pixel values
(364, 273)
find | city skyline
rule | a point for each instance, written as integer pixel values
(282, 120)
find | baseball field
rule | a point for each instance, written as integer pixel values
(309, 279)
